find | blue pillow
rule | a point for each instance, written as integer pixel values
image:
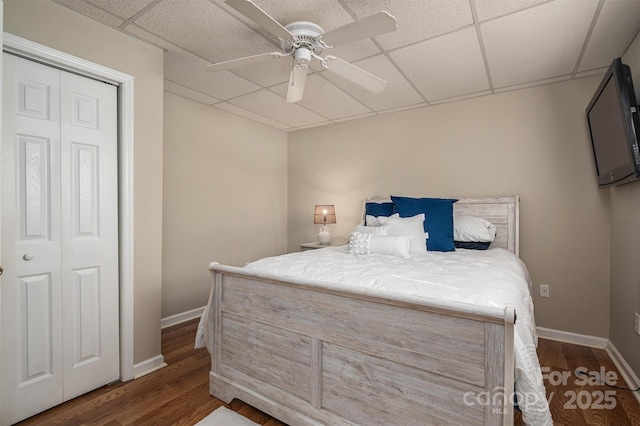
(439, 219)
(379, 209)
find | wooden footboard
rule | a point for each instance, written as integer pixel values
(315, 353)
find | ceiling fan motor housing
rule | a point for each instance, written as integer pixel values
(306, 35)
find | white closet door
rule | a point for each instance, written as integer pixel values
(59, 290)
(31, 289)
(89, 194)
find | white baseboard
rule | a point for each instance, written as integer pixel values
(574, 338)
(148, 366)
(625, 370)
(156, 363)
(181, 317)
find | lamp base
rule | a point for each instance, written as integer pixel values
(324, 236)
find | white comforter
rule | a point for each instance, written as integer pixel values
(493, 277)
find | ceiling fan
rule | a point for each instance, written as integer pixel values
(304, 40)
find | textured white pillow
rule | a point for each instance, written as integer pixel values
(390, 245)
(372, 230)
(372, 221)
(413, 226)
(473, 229)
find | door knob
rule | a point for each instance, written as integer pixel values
(28, 257)
(1, 270)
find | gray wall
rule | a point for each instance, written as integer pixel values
(225, 197)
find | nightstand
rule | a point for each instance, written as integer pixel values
(314, 245)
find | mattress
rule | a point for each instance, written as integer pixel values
(490, 278)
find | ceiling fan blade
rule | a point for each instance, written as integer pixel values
(243, 61)
(296, 83)
(370, 26)
(354, 74)
(260, 17)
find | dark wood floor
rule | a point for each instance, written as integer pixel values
(178, 394)
(618, 407)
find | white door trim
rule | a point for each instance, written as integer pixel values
(49, 56)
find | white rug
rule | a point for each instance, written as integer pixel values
(222, 416)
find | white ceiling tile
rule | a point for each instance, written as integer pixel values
(189, 70)
(267, 73)
(542, 42)
(444, 67)
(178, 89)
(268, 104)
(326, 99)
(204, 29)
(122, 8)
(91, 11)
(417, 19)
(251, 115)
(329, 14)
(487, 9)
(398, 92)
(615, 28)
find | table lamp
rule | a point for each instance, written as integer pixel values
(324, 215)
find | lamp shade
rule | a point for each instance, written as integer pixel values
(324, 214)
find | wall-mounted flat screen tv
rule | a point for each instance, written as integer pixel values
(614, 127)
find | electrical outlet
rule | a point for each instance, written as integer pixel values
(544, 290)
(637, 323)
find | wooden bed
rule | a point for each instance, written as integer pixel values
(309, 352)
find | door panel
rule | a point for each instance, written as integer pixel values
(35, 354)
(85, 208)
(31, 291)
(89, 234)
(33, 188)
(86, 332)
(33, 98)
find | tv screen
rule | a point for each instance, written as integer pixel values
(613, 124)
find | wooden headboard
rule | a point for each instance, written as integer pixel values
(503, 212)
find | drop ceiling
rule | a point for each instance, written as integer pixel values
(443, 50)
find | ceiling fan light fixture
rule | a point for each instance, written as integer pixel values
(303, 56)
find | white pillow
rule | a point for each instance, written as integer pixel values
(390, 245)
(473, 229)
(372, 230)
(413, 226)
(372, 221)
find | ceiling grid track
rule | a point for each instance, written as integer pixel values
(483, 50)
(587, 38)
